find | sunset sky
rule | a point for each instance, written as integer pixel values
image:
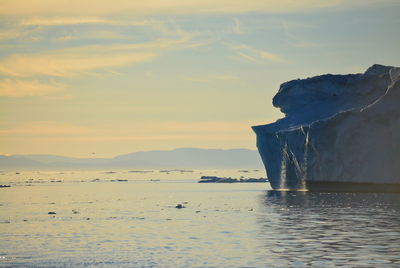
(113, 77)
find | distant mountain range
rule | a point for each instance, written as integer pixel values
(193, 158)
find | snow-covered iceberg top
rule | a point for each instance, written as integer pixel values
(337, 128)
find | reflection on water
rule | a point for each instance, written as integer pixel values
(331, 229)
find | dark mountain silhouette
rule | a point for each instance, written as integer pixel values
(179, 158)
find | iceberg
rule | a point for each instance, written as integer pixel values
(339, 133)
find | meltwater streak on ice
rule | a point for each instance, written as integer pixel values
(300, 171)
(283, 174)
(305, 158)
(289, 158)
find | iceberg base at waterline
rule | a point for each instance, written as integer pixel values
(361, 187)
(339, 133)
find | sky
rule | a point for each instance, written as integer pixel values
(101, 78)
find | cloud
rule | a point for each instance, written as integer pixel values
(195, 137)
(93, 8)
(22, 88)
(14, 33)
(79, 60)
(45, 128)
(32, 27)
(162, 28)
(105, 35)
(55, 21)
(61, 20)
(254, 55)
(210, 127)
(68, 38)
(104, 7)
(136, 131)
(11, 34)
(66, 64)
(211, 78)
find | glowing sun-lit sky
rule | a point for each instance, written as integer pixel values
(114, 77)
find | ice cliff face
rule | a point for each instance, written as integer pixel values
(337, 128)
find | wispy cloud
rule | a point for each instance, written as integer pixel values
(80, 60)
(22, 70)
(17, 32)
(63, 20)
(139, 131)
(254, 55)
(94, 8)
(138, 128)
(106, 35)
(22, 88)
(167, 29)
(45, 128)
(211, 78)
(66, 64)
(104, 7)
(204, 127)
(10, 34)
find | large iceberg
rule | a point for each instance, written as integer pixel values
(340, 132)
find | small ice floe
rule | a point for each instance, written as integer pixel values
(140, 171)
(215, 179)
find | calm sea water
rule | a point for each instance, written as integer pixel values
(101, 221)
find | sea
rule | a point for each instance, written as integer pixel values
(165, 218)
